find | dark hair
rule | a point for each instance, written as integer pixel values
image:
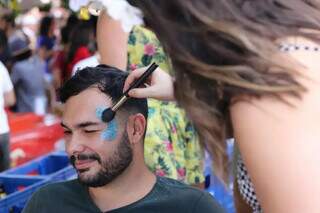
(80, 36)
(22, 56)
(223, 49)
(108, 80)
(3, 40)
(93, 22)
(66, 30)
(72, 20)
(65, 34)
(45, 25)
(9, 18)
(4, 49)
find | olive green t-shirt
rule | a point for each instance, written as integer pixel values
(167, 196)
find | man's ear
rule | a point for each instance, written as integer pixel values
(136, 127)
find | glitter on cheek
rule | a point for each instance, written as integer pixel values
(110, 133)
(99, 112)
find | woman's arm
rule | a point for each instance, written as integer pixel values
(280, 144)
(112, 42)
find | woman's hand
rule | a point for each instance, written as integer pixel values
(159, 85)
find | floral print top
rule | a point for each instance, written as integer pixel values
(171, 147)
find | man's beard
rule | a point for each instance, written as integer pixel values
(111, 168)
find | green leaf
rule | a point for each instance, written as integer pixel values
(146, 60)
(132, 39)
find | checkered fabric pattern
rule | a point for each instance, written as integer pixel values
(297, 47)
(246, 187)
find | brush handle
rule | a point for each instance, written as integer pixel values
(142, 78)
(108, 114)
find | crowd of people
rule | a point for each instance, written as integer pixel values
(231, 69)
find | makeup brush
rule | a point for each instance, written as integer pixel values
(109, 113)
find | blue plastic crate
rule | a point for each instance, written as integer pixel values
(18, 190)
(222, 193)
(54, 166)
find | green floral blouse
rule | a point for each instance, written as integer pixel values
(172, 147)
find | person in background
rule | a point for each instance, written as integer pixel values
(81, 39)
(7, 23)
(108, 157)
(27, 76)
(46, 39)
(12, 32)
(4, 48)
(7, 99)
(60, 59)
(46, 43)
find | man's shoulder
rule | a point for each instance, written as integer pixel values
(61, 188)
(186, 197)
(176, 185)
(174, 188)
(70, 195)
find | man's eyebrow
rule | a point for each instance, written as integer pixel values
(64, 126)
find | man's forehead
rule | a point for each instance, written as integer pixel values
(86, 106)
(91, 97)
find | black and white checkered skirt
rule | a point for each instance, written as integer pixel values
(246, 187)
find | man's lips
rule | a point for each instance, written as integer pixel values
(83, 164)
(83, 161)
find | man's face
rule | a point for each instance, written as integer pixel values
(99, 151)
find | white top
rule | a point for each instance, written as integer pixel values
(92, 61)
(121, 10)
(5, 86)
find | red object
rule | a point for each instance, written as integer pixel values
(60, 65)
(31, 137)
(81, 53)
(21, 188)
(33, 173)
(23, 121)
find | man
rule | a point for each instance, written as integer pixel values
(108, 157)
(8, 25)
(27, 75)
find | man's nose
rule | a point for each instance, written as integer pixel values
(75, 145)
